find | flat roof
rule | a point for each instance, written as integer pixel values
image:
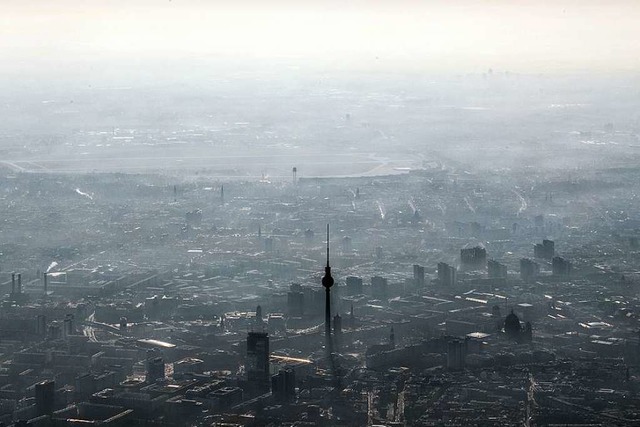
(155, 343)
(478, 335)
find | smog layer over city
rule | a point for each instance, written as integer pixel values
(358, 213)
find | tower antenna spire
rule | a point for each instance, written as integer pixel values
(327, 245)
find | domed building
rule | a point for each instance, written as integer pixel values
(512, 325)
(514, 330)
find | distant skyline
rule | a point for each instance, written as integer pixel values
(460, 36)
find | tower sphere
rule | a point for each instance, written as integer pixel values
(327, 280)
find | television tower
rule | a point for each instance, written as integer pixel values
(327, 282)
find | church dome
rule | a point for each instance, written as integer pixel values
(512, 324)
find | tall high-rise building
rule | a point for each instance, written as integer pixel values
(155, 368)
(337, 325)
(283, 385)
(561, 266)
(268, 244)
(69, 327)
(295, 301)
(379, 287)
(54, 331)
(258, 375)
(496, 270)
(354, 285)
(45, 397)
(456, 354)
(549, 248)
(546, 250)
(259, 319)
(41, 325)
(446, 275)
(473, 258)
(347, 244)
(337, 330)
(418, 275)
(538, 250)
(528, 269)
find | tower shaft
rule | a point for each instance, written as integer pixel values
(327, 313)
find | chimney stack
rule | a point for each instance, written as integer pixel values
(19, 283)
(13, 283)
(45, 284)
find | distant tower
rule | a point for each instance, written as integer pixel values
(352, 318)
(528, 333)
(295, 175)
(259, 319)
(418, 276)
(45, 397)
(175, 193)
(41, 325)
(283, 385)
(155, 367)
(69, 327)
(327, 282)
(456, 353)
(258, 362)
(347, 244)
(258, 352)
(354, 285)
(337, 325)
(222, 194)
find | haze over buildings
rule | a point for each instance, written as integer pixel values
(319, 214)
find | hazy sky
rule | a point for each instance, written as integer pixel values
(463, 35)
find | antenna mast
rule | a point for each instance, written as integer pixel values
(327, 245)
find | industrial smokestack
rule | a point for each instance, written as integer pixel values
(45, 284)
(19, 283)
(13, 283)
